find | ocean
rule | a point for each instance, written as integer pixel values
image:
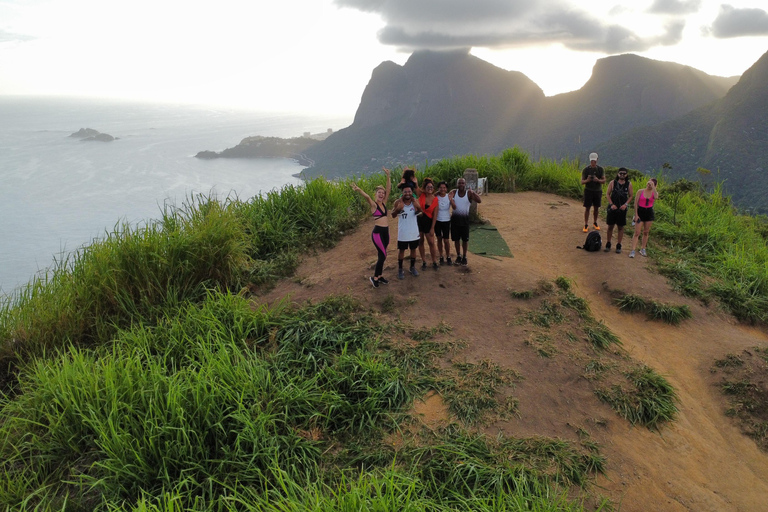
(58, 193)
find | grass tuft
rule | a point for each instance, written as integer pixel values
(649, 400)
(669, 313)
(600, 336)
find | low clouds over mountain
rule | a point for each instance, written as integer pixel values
(449, 24)
(732, 22)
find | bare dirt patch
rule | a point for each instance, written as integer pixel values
(701, 462)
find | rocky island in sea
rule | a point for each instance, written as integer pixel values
(88, 134)
(271, 147)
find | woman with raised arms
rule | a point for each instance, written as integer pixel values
(380, 234)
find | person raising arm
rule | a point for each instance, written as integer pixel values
(380, 234)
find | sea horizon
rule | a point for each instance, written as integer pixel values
(60, 193)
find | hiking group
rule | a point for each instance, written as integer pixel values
(426, 217)
(432, 217)
(619, 195)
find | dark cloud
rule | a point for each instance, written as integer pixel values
(450, 24)
(6, 37)
(674, 6)
(732, 22)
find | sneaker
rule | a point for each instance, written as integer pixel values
(464, 261)
(423, 265)
(618, 251)
(414, 271)
(442, 261)
(597, 228)
(449, 262)
(401, 274)
(642, 252)
(383, 281)
(631, 254)
(374, 282)
(607, 247)
(435, 266)
(586, 228)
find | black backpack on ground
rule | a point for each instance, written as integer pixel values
(594, 242)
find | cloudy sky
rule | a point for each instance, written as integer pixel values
(317, 55)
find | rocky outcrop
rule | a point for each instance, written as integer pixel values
(89, 134)
(265, 147)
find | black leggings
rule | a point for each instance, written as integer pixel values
(380, 237)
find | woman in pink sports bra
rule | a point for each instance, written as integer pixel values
(644, 215)
(380, 234)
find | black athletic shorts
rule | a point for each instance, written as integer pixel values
(459, 232)
(443, 229)
(617, 217)
(645, 214)
(592, 198)
(411, 244)
(424, 222)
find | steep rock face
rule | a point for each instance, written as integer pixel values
(382, 97)
(728, 137)
(445, 103)
(624, 92)
(438, 104)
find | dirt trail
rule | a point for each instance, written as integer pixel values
(702, 462)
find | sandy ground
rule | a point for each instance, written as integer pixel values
(701, 462)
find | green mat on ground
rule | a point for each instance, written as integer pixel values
(485, 240)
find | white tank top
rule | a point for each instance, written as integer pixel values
(407, 227)
(462, 204)
(443, 208)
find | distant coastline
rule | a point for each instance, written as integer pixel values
(271, 147)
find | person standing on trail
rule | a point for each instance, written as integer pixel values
(443, 222)
(380, 234)
(644, 215)
(461, 198)
(619, 195)
(426, 221)
(407, 230)
(592, 177)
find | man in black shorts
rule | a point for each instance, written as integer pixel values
(619, 195)
(405, 209)
(461, 199)
(592, 177)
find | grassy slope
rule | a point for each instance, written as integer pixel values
(135, 379)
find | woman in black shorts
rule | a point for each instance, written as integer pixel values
(443, 222)
(644, 215)
(428, 202)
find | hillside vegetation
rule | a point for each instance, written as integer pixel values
(724, 142)
(145, 374)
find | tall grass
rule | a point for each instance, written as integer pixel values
(713, 251)
(512, 171)
(132, 274)
(221, 406)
